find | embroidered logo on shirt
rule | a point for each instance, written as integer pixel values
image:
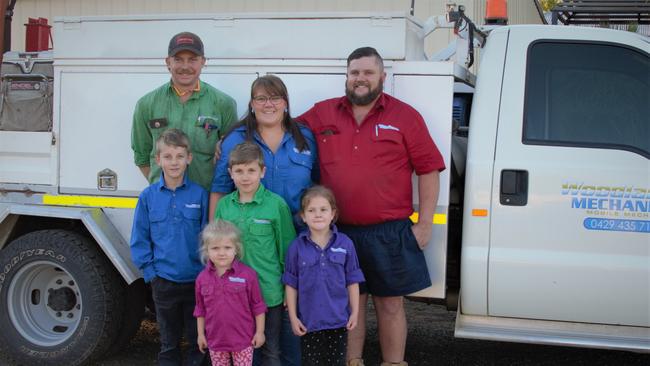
(387, 127)
(261, 221)
(237, 279)
(338, 250)
(192, 205)
(380, 126)
(306, 152)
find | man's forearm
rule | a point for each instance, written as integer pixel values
(145, 169)
(428, 189)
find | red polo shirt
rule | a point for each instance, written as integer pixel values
(369, 167)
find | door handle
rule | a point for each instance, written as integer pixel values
(514, 188)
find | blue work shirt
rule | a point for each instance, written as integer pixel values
(321, 278)
(289, 172)
(166, 228)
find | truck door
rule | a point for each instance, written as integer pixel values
(570, 232)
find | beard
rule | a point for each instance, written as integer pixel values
(366, 98)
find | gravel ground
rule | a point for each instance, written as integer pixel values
(430, 342)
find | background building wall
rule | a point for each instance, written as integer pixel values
(519, 11)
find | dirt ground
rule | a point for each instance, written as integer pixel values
(431, 342)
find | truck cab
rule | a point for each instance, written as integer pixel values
(556, 229)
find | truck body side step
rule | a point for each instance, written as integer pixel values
(615, 337)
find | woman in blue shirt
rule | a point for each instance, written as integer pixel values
(291, 163)
(289, 147)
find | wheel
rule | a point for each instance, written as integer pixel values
(135, 294)
(60, 299)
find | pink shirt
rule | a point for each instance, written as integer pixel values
(229, 305)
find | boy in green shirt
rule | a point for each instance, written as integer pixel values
(267, 230)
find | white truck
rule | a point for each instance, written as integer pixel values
(542, 223)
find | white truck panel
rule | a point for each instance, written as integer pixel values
(478, 181)
(27, 158)
(106, 141)
(234, 36)
(543, 262)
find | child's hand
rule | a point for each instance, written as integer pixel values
(258, 340)
(298, 328)
(202, 343)
(352, 322)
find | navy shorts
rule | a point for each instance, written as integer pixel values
(390, 258)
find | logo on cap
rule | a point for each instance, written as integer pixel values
(184, 40)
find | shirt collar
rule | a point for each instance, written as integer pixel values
(234, 269)
(257, 198)
(198, 89)
(161, 182)
(344, 103)
(304, 236)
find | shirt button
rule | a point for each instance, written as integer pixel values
(173, 206)
(356, 147)
(357, 131)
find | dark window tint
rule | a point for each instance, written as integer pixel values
(595, 95)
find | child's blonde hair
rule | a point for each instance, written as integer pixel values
(173, 137)
(220, 230)
(319, 191)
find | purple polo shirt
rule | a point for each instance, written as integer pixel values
(229, 305)
(321, 277)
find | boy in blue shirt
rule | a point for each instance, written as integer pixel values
(164, 245)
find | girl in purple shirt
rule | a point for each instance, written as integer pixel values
(322, 278)
(229, 305)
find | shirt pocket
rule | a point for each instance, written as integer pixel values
(261, 229)
(157, 126)
(192, 218)
(388, 143)
(296, 176)
(209, 295)
(308, 273)
(236, 295)
(330, 144)
(159, 225)
(205, 134)
(336, 276)
(207, 290)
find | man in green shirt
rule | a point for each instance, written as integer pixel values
(267, 230)
(201, 111)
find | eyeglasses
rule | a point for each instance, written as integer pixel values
(262, 99)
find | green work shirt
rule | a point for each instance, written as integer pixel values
(267, 230)
(204, 117)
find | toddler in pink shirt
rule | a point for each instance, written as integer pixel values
(229, 305)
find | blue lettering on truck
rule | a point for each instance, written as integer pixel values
(617, 208)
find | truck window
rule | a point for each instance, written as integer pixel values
(587, 95)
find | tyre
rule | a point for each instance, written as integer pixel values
(60, 300)
(134, 306)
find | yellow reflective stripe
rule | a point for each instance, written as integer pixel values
(92, 201)
(438, 219)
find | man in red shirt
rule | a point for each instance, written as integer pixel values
(370, 143)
